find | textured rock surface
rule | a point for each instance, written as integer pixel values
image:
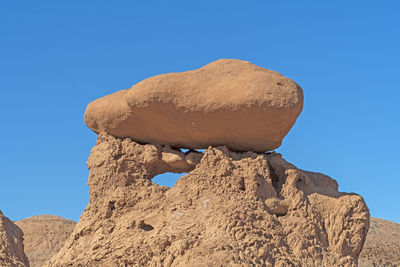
(11, 244)
(204, 107)
(44, 235)
(382, 247)
(231, 209)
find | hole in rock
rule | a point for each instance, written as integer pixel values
(185, 150)
(167, 179)
(242, 185)
(146, 227)
(281, 214)
(111, 205)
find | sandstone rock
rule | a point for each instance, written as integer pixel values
(11, 244)
(382, 247)
(231, 209)
(227, 102)
(44, 236)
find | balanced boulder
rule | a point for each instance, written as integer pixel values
(227, 102)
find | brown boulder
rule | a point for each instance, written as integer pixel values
(44, 235)
(231, 209)
(11, 244)
(227, 102)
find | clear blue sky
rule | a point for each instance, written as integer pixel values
(57, 56)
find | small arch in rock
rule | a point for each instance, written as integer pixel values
(167, 179)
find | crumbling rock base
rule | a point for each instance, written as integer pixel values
(231, 209)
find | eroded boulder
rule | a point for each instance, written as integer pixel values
(231, 209)
(227, 102)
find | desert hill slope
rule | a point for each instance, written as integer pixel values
(44, 235)
(382, 247)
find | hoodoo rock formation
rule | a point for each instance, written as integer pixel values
(44, 235)
(11, 244)
(231, 209)
(236, 206)
(227, 102)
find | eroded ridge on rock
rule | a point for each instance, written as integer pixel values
(203, 107)
(11, 244)
(231, 209)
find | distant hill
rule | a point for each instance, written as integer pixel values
(44, 235)
(382, 247)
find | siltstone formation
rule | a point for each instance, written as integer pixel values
(238, 205)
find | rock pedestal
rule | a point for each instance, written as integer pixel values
(230, 209)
